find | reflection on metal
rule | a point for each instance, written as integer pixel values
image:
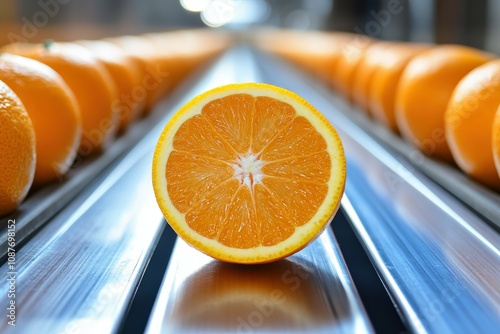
(310, 290)
(439, 260)
(483, 200)
(78, 274)
(43, 203)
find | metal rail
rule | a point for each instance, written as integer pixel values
(439, 260)
(312, 290)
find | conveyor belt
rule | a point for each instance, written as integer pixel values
(311, 290)
(438, 259)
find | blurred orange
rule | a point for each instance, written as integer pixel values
(178, 53)
(385, 79)
(53, 110)
(424, 90)
(351, 53)
(90, 82)
(126, 76)
(469, 122)
(17, 149)
(152, 74)
(364, 72)
(496, 141)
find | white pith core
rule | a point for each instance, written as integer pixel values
(247, 169)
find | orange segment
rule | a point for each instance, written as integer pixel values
(198, 137)
(299, 138)
(248, 173)
(271, 116)
(214, 205)
(270, 215)
(191, 176)
(301, 200)
(234, 126)
(314, 167)
(241, 209)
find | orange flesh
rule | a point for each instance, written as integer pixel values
(247, 171)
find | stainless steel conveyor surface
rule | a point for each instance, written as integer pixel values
(439, 260)
(78, 269)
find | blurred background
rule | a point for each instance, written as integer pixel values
(469, 22)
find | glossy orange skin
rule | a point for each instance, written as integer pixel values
(495, 140)
(91, 84)
(351, 54)
(145, 55)
(385, 80)
(424, 90)
(363, 75)
(126, 76)
(17, 149)
(53, 110)
(469, 122)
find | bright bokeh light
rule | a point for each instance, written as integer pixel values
(195, 5)
(250, 11)
(219, 12)
(236, 12)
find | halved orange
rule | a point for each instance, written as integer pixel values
(248, 173)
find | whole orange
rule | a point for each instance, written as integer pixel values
(126, 76)
(364, 72)
(53, 110)
(469, 122)
(351, 53)
(17, 151)
(91, 84)
(152, 75)
(385, 79)
(496, 141)
(423, 93)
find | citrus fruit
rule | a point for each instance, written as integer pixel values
(52, 109)
(125, 75)
(248, 173)
(423, 93)
(385, 79)
(351, 53)
(469, 122)
(143, 52)
(496, 141)
(180, 52)
(316, 52)
(17, 149)
(363, 73)
(90, 82)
